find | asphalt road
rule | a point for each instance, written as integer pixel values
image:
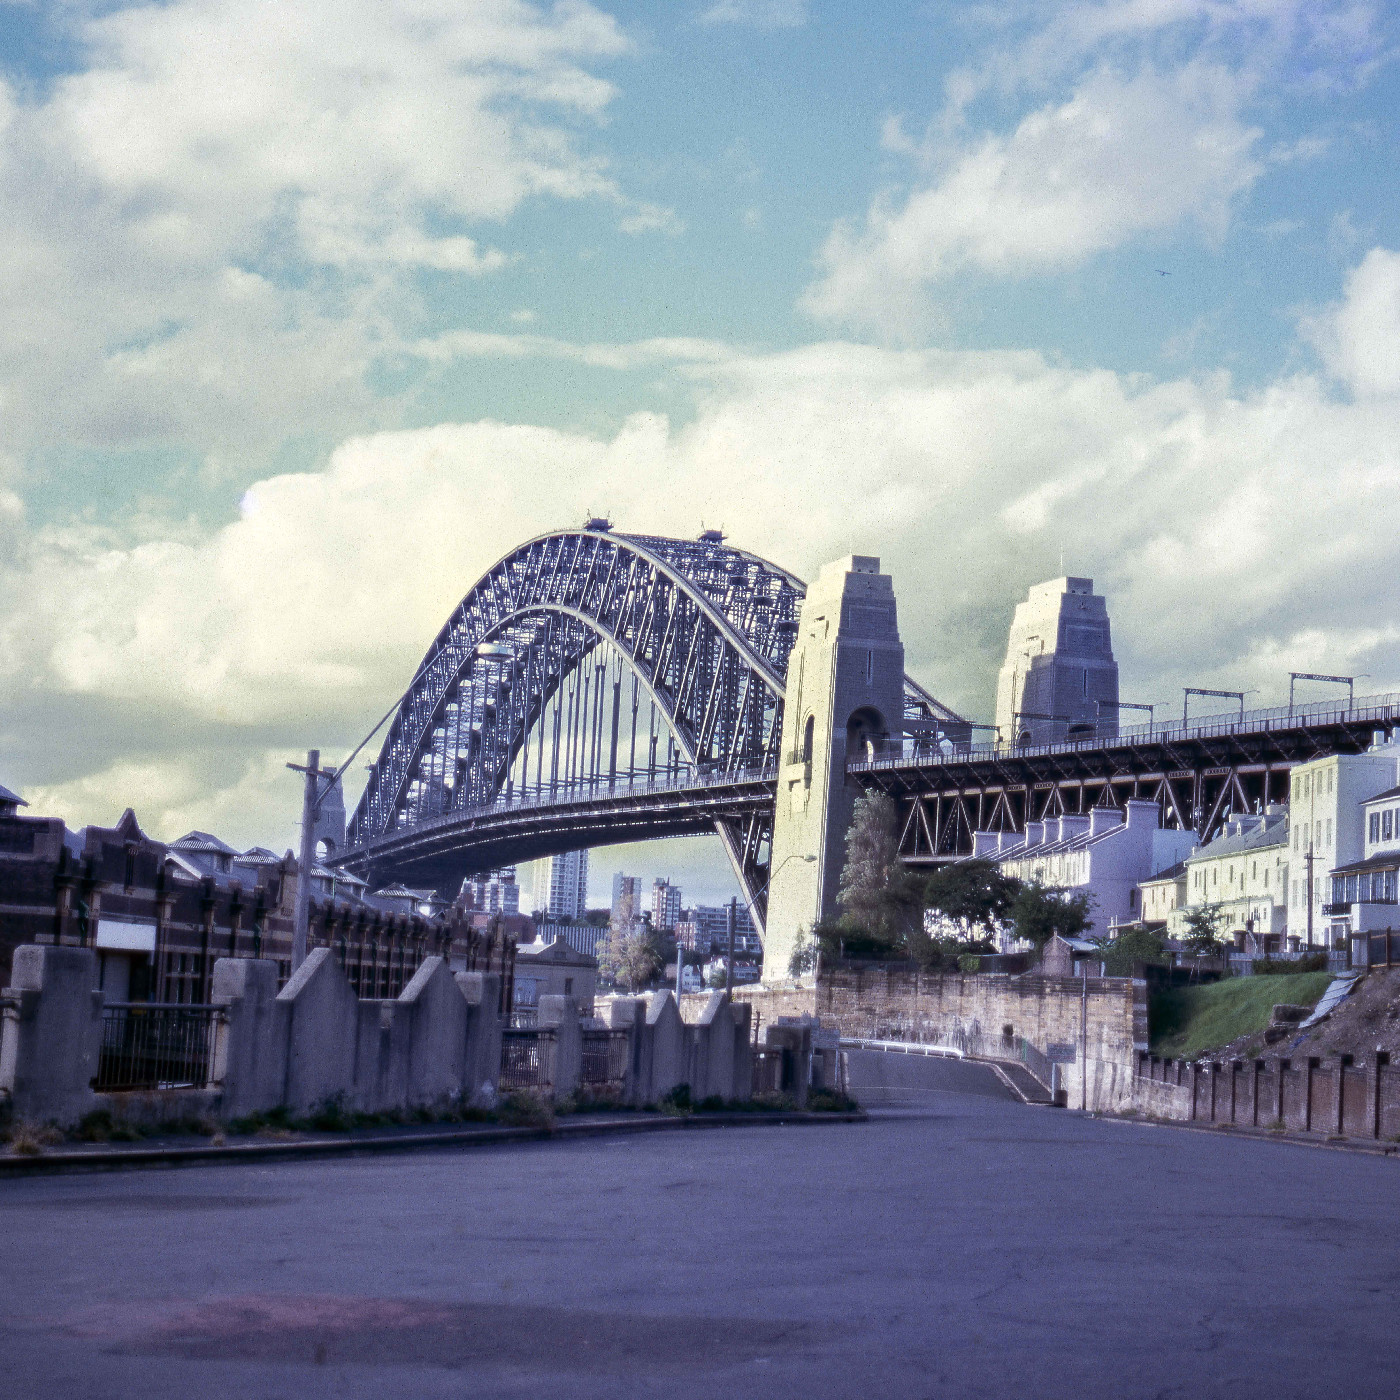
(958, 1245)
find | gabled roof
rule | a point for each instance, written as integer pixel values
(1385, 860)
(259, 855)
(7, 796)
(1381, 796)
(1172, 872)
(202, 841)
(1270, 832)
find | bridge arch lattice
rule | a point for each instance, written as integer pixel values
(506, 701)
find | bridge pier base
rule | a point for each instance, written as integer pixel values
(845, 696)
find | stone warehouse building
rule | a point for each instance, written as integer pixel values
(159, 915)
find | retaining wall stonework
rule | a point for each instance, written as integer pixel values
(1093, 1027)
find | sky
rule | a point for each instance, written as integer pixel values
(311, 311)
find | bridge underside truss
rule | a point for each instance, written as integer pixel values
(1198, 781)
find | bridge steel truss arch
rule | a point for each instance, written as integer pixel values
(703, 628)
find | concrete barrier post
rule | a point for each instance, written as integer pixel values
(664, 1055)
(629, 1014)
(482, 993)
(437, 1014)
(322, 1031)
(559, 1014)
(52, 1033)
(250, 1042)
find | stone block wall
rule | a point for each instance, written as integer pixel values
(1093, 1026)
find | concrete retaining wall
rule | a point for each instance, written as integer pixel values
(1336, 1097)
(1093, 1027)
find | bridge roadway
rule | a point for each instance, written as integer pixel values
(438, 851)
(958, 1245)
(1200, 772)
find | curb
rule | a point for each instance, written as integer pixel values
(1367, 1147)
(168, 1157)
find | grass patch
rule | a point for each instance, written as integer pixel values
(1185, 1022)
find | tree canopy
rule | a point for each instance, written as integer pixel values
(1037, 914)
(879, 898)
(973, 895)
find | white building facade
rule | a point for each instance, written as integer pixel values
(1245, 872)
(1328, 815)
(1105, 853)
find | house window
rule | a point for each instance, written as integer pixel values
(1387, 817)
(1373, 826)
(1328, 841)
(1329, 780)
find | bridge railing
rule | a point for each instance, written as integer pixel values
(1381, 710)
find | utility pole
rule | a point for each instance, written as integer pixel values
(729, 961)
(1309, 859)
(312, 796)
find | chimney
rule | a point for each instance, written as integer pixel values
(1143, 812)
(1072, 826)
(985, 844)
(1035, 833)
(1101, 819)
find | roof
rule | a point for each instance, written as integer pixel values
(202, 841)
(1172, 872)
(259, 855)
(1385, 860)
(1379, 797)
(7, 796)
(1270, 832)
(397, 891)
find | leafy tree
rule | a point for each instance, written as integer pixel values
(1203, 928)
(1037, 914)
(878, 897)
(973, 895)
(629, 953)
(1133, 946)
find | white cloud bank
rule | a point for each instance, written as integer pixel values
(1121, 158)
(207, 234)
(1236, 537)
(1359, 339)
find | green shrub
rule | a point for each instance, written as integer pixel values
(830, 1101)
(677, 1102)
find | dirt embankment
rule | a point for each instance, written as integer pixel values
(1367, 1021)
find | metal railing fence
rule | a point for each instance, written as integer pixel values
(153, 1045)
(604, 1057)
(526, 1059)
(1381, 710)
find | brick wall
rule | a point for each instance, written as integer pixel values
(1094, 1027)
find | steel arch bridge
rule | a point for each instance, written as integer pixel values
(595, 687)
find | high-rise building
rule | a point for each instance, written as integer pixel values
(665, 905)
(626, 898)
(1059, 680)
(493, 893)
(567, 883)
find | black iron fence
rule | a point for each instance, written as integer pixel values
(152, 1045)
(526, 1059)
(605, 1057)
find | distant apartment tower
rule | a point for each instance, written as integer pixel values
(568, 885)
(1059, 679)
(493, 893)
(665, 906)
(626, 897)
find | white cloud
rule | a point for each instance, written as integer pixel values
(649, 218)
(1121, 158)
(760, 14)
(1236, 537)
(208, 233)
(1359, 338)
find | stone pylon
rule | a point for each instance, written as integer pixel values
(844, 700)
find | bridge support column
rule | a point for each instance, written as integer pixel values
(845, 696)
